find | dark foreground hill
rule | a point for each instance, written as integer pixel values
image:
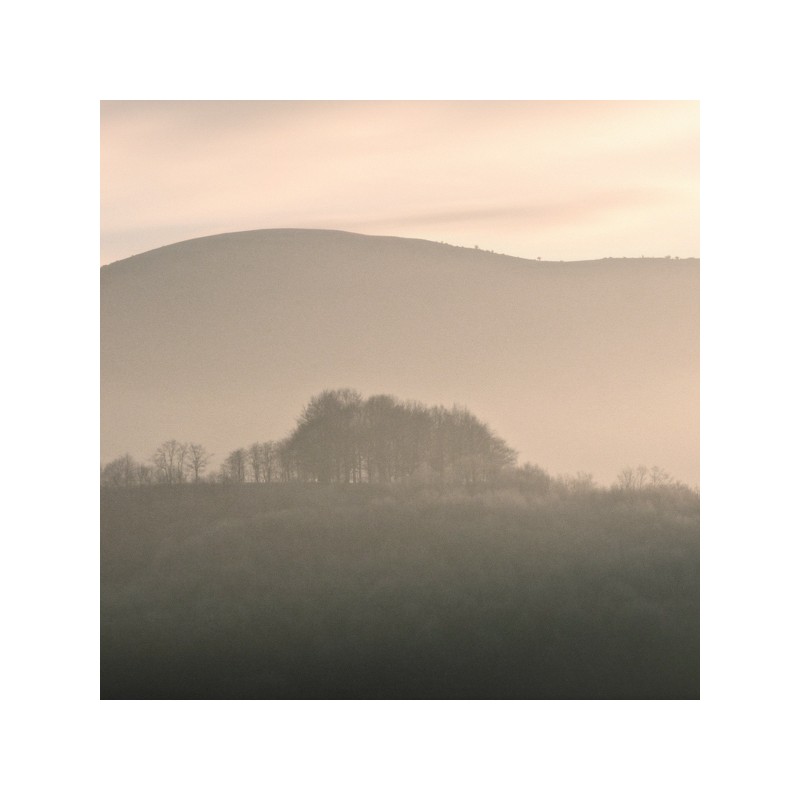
(580, 366)
(295, 591)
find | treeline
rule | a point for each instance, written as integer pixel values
(173, 462)
(340, 438)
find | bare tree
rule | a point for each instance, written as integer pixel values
(659, 477)
(169, 462)
(145, 474)
(235, 466)
(269, 460)
(630, 478)
(626, 478)
(255, 459)
(122, 471)
(197, 460)
(579, 483)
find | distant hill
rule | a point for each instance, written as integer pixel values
(588, 365)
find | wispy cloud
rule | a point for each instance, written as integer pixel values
(525, 177)
(558, 213)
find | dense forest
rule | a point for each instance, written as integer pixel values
(539, 590)
(389, 550)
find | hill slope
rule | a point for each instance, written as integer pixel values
(580, 365)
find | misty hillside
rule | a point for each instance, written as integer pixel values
(579, 365)
(305, 591)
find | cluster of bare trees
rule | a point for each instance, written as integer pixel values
(125, 471)
(341, 438)
(259, 463)
(173, 462)
(641, 477)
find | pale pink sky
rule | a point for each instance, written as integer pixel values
(561, 180)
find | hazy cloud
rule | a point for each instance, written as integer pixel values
(528, 178)
(565, 213)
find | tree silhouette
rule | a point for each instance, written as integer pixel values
(341, 438)
(169, 461)
(197, 460)
(234, 469)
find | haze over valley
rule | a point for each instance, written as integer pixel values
(580, 366)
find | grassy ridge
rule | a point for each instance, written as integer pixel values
(294, 591)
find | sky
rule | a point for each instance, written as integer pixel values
(555, 180)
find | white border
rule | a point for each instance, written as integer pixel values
(62, 61)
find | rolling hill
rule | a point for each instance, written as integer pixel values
(587, 365)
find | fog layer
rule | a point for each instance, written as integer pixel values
(580, 366)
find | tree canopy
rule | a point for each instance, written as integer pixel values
(342, 438)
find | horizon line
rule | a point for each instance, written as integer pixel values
(441, 243)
